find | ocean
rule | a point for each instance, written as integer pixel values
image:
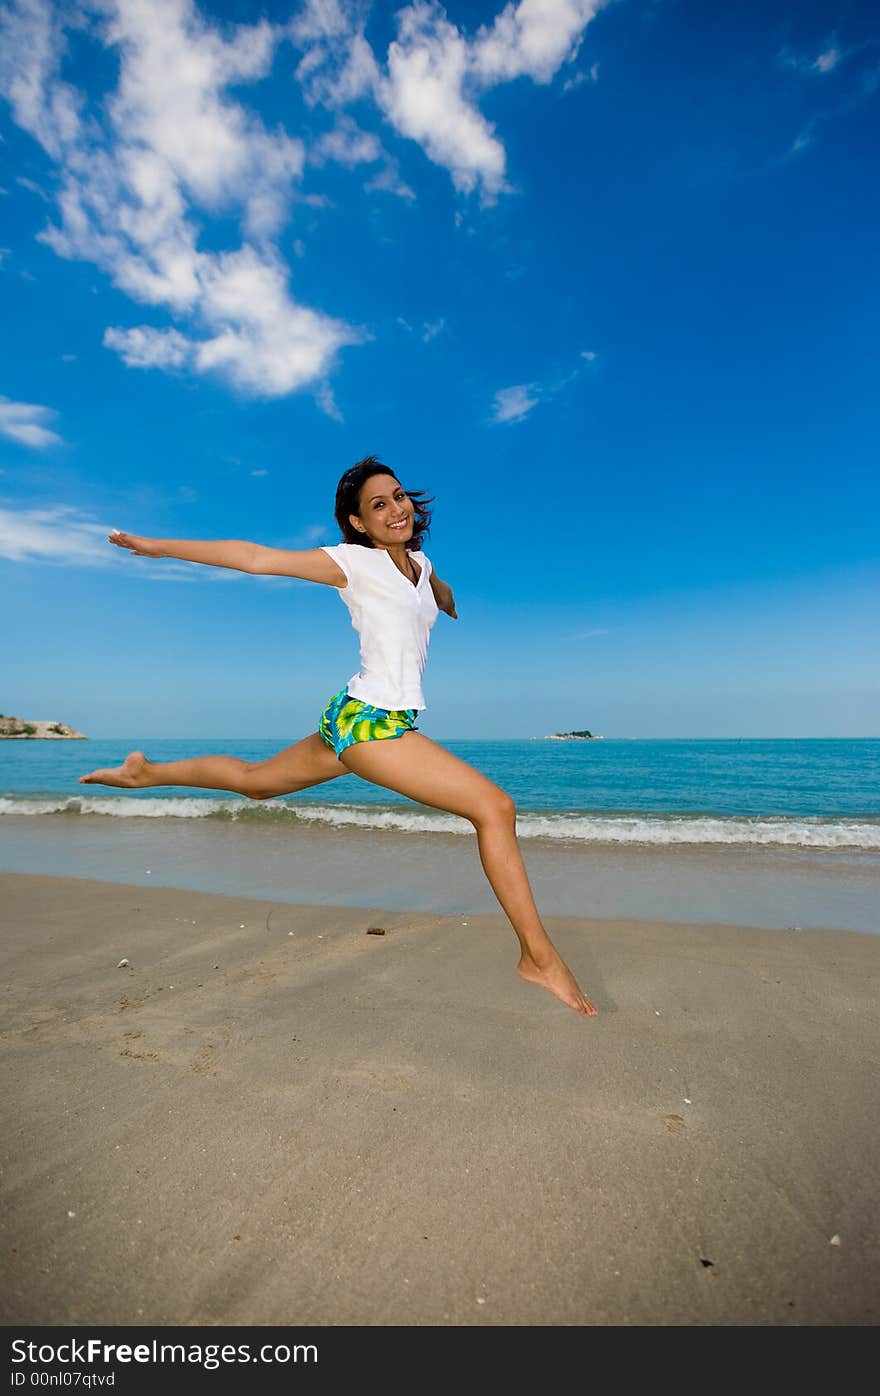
(611, 827)
(802, 793)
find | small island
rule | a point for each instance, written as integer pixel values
(582, 736)
(14, 728)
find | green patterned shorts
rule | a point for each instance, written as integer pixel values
(347, 720)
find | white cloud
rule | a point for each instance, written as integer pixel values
(339, 66)
(423, 96)
(434, 74)
(31, 45)
(264, 341)
(171, 103)
(24, 422)
(131, 183)
(513, 404)
(347, 144)
(320, 19)
(532, 39)
(149, 348)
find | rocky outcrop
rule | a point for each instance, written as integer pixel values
(582, 736)
(15, 728)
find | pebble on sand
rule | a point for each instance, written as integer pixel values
(375, 930)
(122, 963)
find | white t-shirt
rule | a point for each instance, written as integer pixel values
(393, 619)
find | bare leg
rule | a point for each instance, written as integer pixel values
(309, 762)
(415, 766)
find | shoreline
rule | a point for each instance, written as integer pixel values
(299, 862)
(270, 1116)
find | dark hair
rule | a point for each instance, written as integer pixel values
(348, 496)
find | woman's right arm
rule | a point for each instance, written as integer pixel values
(311, 565)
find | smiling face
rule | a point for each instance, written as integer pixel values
(386, 511)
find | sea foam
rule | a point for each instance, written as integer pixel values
(568, 826)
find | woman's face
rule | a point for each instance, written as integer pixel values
(386, 511)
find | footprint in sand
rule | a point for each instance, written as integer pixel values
(674, 1123)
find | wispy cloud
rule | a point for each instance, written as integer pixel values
(61, 535)
(308, 537)
(821, 63)
(347, 144)
(828, 60)
(327, 402)
(388, 181)
(513, 404)
(25, 422)
(862, 86)
(33, 188)
(429, 330)
(591, 75)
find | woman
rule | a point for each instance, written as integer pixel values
(393, 595)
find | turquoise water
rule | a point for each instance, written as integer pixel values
(821, 794)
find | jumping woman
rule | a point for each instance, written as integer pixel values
(394, 596)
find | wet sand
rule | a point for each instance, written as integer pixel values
(271, 1117)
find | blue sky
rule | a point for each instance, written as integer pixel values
(603, 278)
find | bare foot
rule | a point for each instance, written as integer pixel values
(132, 773)
(558, 978)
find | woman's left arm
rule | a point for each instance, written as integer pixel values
(443, 595)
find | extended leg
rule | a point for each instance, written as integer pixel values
(415, 766)
(309, 762)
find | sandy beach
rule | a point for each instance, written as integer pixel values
(270, 1116)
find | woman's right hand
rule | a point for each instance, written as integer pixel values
(141, 547)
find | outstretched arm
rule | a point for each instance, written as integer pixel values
(311, 565)
(443, 596)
